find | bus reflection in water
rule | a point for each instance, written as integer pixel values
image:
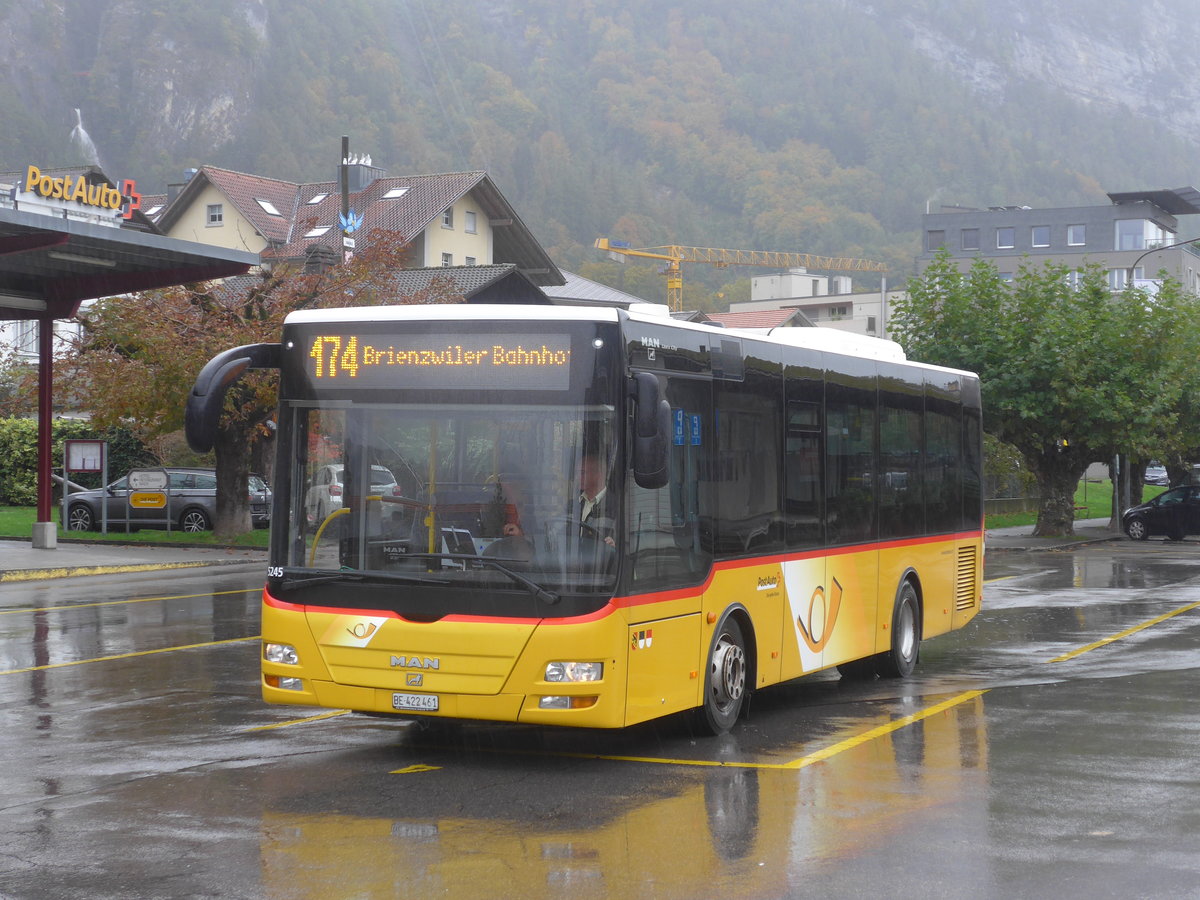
(773, 505)
(738, 832)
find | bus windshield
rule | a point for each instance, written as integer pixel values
(466, 503)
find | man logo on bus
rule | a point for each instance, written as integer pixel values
(822, 616)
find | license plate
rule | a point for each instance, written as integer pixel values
(422, 702)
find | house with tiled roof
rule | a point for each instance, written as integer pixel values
(760, 319)
(449, 220)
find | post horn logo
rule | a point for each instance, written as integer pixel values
(822, 616)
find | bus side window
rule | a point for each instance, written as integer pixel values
(803, 515)
(671, 537)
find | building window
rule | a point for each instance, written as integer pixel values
(839, 312)
(1006, 238)
(934, 240)
(1139, 234)
(469, 261)
(1130, 236)
(447, 259)
(1072, 279)
(1118, 279)
(469, 222)
(1006, 277)
(448, 218)
(970, 239)
(870, 324)
(318, 231)
(216, 213)
(27, 336)
(1039, 236)
(1076, 235)
(268, 207)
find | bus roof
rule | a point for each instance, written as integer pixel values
(828, 340)
(463, 312)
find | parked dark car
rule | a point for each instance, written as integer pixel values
(193, 504)
(1175, 513)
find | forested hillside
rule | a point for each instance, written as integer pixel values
(823, 127)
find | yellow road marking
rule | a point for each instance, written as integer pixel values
(70, 606)
(881, 730)
(67, 572)
(305, 720)
(1124, 634)
(803, 761)
(81, 662)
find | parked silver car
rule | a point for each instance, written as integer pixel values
(192, 507)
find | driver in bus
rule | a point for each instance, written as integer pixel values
(596, 509)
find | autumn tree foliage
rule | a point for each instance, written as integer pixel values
(141, 353)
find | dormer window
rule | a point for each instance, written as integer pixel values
(318, 231)
(315, 200)
(395, 193)
(268, 207)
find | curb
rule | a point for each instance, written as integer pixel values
(12, 576)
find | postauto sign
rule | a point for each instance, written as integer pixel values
(77, 189)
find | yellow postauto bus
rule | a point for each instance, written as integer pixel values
(596, 516)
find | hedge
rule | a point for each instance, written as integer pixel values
(18, 455)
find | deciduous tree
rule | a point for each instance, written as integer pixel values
(141, 353)
(1071, 372)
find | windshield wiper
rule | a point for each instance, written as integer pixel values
(325, 577)
(548, 597)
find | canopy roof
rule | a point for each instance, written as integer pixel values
(49, 265)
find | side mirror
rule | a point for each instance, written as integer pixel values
(651, 432)
(207, 397)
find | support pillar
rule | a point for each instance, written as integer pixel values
(45, 536)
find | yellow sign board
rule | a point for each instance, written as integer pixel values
(147, 499)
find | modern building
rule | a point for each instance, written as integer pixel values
(1135, 232)
(825, 301)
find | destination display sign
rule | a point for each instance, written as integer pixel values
(449, 361)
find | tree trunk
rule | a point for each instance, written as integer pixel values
(1058, 475)
(232, 448)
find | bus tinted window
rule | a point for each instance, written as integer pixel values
(748, 459)
(850, 454)
(943, 466)
(671, 529)
(901, 498)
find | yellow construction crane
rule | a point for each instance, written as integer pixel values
(673, 255)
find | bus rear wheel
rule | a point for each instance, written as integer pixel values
(725, 678)
(901, 659)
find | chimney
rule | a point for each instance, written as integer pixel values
(173, 190)
(360, 172)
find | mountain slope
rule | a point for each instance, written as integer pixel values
(811, 126)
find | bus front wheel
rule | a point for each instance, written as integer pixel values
(725, 678)
(901, 659)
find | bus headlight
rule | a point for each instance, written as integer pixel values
(574, 671)
(281, 653)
